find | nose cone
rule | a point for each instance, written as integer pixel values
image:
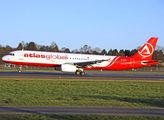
(4, 58)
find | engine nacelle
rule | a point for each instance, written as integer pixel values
(66, 68)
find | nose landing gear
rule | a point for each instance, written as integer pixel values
(20, 69)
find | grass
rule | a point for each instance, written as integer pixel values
(37, 92)
(75, 117)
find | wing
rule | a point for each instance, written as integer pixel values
(88, 63)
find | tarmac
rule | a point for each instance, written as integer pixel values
(93, 76)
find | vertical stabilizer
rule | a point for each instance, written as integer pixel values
(146, 52)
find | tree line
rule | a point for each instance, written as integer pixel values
(158, 53)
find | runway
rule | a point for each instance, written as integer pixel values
(82, 110)
(96, 76)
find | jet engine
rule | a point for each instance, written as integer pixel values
(66, 68)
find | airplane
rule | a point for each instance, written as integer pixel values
(70, 62)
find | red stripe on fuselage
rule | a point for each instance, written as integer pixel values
(32, 63)
(112, 62)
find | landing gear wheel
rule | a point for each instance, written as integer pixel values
(82, 73)
(77, 72)
(20, 69)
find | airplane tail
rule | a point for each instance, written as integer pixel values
(146, 51)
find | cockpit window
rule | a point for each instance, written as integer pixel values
(11, 54)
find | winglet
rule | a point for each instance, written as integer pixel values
(146, 52)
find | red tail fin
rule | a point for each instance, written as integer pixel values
(146, 52)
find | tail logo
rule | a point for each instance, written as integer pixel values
(147, 50)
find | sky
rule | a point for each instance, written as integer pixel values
(107, 24)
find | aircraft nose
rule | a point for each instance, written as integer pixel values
(4, 58)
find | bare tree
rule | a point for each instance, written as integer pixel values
(75, 51)
(54, 47)
(65, 50)
(38, 46)
(97, 49)
(20, 47)
(31, 46)
(86, 49)
(158, 53)
(23, 44)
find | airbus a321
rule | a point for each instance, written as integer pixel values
(69, 62)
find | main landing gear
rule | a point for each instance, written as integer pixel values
(78, 72)
(20, 69)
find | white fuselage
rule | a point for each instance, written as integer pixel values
(40, 58)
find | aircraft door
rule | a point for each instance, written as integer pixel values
(21, 55)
